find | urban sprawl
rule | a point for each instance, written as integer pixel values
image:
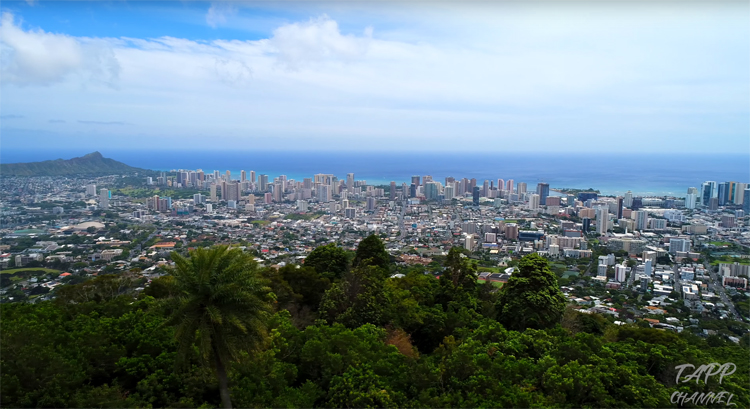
(675, 263)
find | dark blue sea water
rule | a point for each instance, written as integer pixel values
(644, 174)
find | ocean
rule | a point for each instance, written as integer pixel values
(612, 174)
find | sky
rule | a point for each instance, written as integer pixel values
(583, 77)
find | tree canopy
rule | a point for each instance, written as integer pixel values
(531, 298)
(371, 251)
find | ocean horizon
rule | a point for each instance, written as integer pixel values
(611, 174)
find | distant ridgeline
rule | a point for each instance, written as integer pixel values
(91, 164)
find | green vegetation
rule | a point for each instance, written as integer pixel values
(730, 260)
(260, 222)
(90, 164)
(303, 216)
(18, 270)
(720, 243)
(362, 339)
(494, 283)
(220, 305)
(143, 192)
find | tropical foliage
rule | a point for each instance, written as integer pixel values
(363, 339)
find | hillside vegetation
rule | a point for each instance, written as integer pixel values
(341, 332)
(90, 164)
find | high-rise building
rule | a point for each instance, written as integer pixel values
(90, 190)
(324, 193)
(723, 193)
(213, 192)
(641, 219)
(739, 193)
(243, 176)
(413, 190)
(713, 203)
(746, 200)
(648, 268)
(278, 192)
(500, 184)
(371, 203)
(263, 182)
(690, 200)
(542, 189)
(521, 187)
(732, 192)
(679, 244)
(708, 190)
(486, 188)
(252, 176)
(627, 201)
(198, 198)
(449, 192)
(302, 205)
(104, 199)
(228, 176)
(620, 271)
(415, 180)
(620, 201)
(509, 186)
(533, 201)
(728, 221)
(475, 195)
(431, 190)
(350, 183)
(602, 219)
(585, 225)
(232, 191)
(392, 191)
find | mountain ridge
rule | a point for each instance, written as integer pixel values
(93, 163)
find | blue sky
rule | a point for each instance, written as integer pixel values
(606, 76)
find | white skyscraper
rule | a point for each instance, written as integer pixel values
(641, 219)
(449, 192)
(104, 199)
(690, 200)
(533, 201)
(620, 271)
(627, 201)
(602, 219)
(90, 190)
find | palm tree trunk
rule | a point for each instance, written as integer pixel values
(221, 373)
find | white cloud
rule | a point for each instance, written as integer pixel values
(482, 79)
(233, 72)
(36, 57)
(219, 12)
(316, 40)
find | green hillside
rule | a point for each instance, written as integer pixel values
(91, 164)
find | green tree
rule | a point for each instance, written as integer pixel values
(531, 298)
(358, 299)
(221, 304)
(371, 252)
(330, 261)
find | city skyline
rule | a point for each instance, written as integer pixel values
(332, 77)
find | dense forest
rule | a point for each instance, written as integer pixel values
(344, 330)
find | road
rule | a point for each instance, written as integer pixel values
(719, 289)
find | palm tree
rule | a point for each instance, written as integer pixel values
(221, 304)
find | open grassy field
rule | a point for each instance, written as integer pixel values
(730, 260)
(719, 243)
(16, 270)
